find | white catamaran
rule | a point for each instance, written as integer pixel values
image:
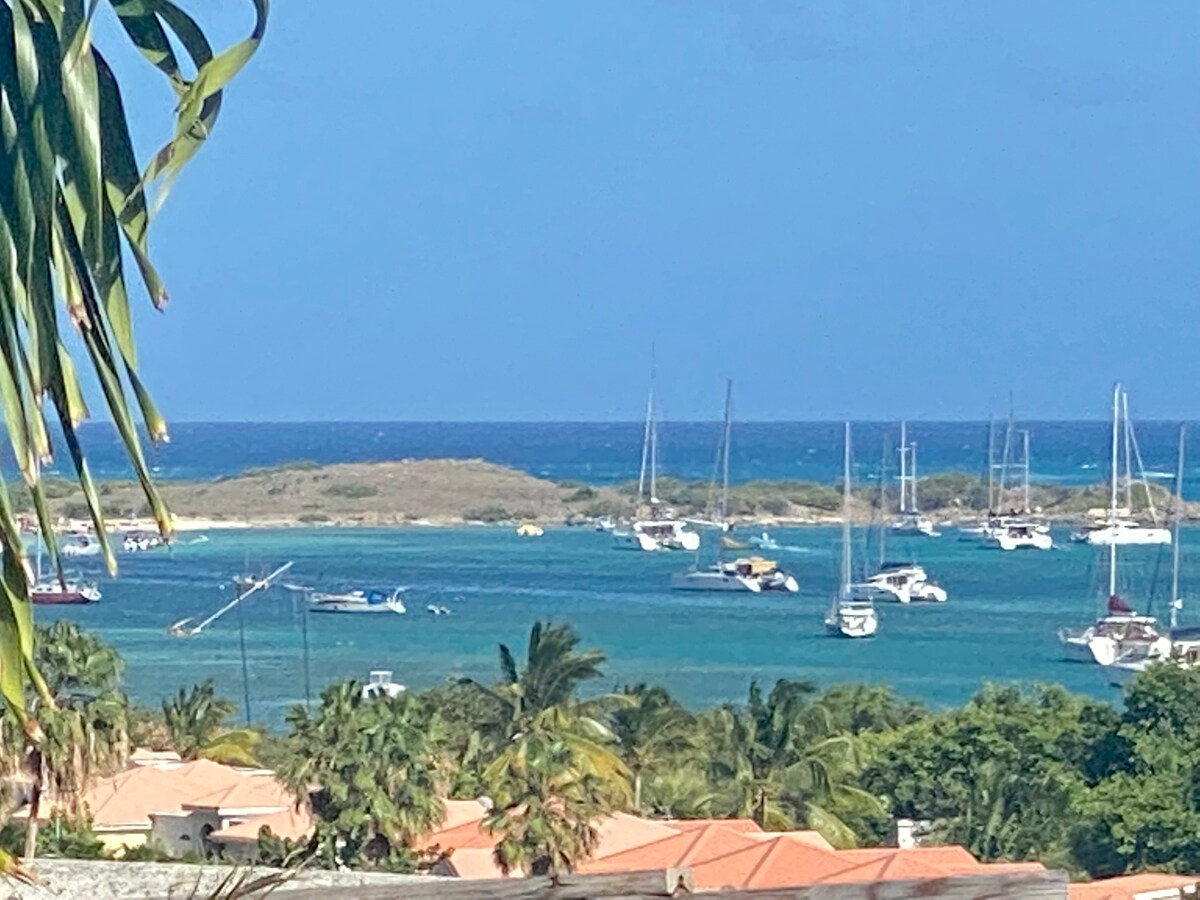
(1016, 529)
(899, 582)
(852, 614)
(1119, 527)
(654, 531)
(748, 573)
(1121, 630)
(911, 521)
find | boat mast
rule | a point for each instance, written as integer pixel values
(725, 451)
(1175, 537)
(991, 462)
(903, 468)
(1025, 434)
(883, 503)
(1128, 453)
(1112, 500)
(641, 494)
(844, 586)
(912, 489)
(1008, 437)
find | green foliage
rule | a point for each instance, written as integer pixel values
(350, 490)
(60, 837)
(152, 851)
(378, 780)
(197, 723)
(490, 515)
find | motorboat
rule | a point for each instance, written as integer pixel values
(605, 523)
(764, 541)
(380, 686)
(81, 545)
(65, 592)
(658, 534)
(141, 541)
(904, 582)
(367, 600)
(748, 573)
(528, 529)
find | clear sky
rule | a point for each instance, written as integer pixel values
(486, 210)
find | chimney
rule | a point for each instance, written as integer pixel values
(905, 830)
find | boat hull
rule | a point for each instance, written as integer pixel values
(1123, 537)
(69, 598)
(351, 608)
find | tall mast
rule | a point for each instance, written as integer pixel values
(654, 462)
(1025, 434)
(1175, 536)
(1112, 500)
(912, 489)
(845, 579)
(903, 467)
(883, 503)
(1128, 452)
(725, 449)
(1008, 437)
(991, 462)
(641, 494)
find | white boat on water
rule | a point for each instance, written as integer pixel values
(764, 541)
(904, 582)
(367, 600)
(654, 531)
(852, 614)
(751, 573)
(1016, 530)
(1120, 529)
(380, 686)
(911, 521)
(1122, 632)
(81, 545)
(141, 541)
(1018, 534)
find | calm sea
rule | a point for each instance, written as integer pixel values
(999, 623)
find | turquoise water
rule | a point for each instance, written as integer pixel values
(999, 623)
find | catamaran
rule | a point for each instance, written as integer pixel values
(852, 614)
(904, 582)
(911, 521)
(1122, 629)
(746, 573)
(1017, 529)
(1183, 644)
(1119, 527)
(653, 532)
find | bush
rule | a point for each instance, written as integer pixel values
(489, 514)
(311, 518)
(350, 490)
(775, 506)
(581, 494)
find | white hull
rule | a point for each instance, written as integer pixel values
(1113, 639)
(725, 581)
(853, 625)
(653, 537)
(1038, 540)
(905, 585)
(355, 606)
(915, 527)
(1124, 536)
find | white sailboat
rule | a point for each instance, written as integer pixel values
(653, 532)
(1121, 630)
(911, 522)
(852, 614)
(365, 600)
(1016, 529)
(900, 582)
(1119, 527)
(748, 573)
(1183, 647)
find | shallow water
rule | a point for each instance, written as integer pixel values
(999, 623)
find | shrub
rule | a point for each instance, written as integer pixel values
(350, 490)
(312, 518)
(489, 514)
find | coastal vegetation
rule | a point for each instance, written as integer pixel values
(456, 491)
(1013, 774)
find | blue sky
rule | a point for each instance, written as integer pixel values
(870, 210)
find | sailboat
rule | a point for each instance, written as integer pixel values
(911, 521)
(1119, 528)
(748, 573)
(900, 582)
(653, 532)
(852, 614)
(1122, 629)
(1183, 644)
(1016, 530)
(60, 591)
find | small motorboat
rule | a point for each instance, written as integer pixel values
(81, 545)
(53, 592)
(764, 542)
(528, 529)
(366, 600)
(380, 686)
(141, 541)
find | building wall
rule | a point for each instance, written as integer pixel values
(182, 834)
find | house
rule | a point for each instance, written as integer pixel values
(181, 805)
(1144, 886)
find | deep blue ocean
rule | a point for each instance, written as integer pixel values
(999, 624)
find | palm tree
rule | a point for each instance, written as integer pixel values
(72, 203)
(778, 761)
(196, 721)
(651, 731)
(553, 762)
(370, 771)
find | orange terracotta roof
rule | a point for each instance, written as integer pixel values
(248, 793)
(621, 831)
(812, 838)
(460, 812)
(145, 757)
(744, 826)
(704, 850)
(476, 864)
(1128, 887)
(291, 823)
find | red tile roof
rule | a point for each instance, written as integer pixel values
(1129, 887)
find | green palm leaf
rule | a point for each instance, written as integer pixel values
(72, 200)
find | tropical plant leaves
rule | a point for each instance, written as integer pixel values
(72, 201)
